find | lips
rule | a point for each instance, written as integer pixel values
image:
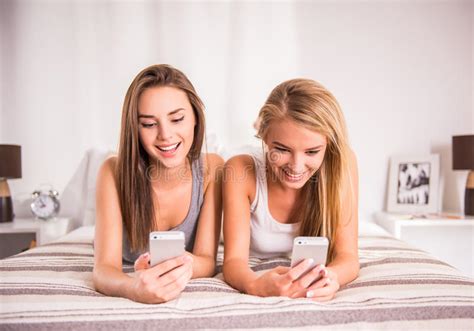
(168, 148)
(292, 176)
(168, 151)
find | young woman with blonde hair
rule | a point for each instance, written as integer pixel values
(159, 181)
(305, 183)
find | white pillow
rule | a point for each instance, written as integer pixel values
(78, 198)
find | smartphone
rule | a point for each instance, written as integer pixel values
(165, 245)
(315, 248)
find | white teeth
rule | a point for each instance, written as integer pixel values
(168, 148)
(293, 176)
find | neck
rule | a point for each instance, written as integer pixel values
(161, 176)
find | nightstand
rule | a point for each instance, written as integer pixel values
(23, 233)
(450, 240)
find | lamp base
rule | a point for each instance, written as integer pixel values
(6, 205)
(469, 202)
(469, 195)
(6, 209)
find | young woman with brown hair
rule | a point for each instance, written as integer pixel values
(305, 183)
(159, 181)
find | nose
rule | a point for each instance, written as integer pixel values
(164, 132)
(296, 163)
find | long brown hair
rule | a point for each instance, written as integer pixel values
(134, 187)
(309, 104)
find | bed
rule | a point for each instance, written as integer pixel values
(399, 287)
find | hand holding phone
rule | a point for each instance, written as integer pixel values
(315, 248)
(294, 282)
(165, 245)
(168, 263)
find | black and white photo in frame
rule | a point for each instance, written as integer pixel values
(413, 184)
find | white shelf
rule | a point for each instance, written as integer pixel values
(45, 231)
(449, 239)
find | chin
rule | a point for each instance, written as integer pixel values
(294, 186)
(170, 163)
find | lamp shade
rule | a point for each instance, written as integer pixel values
(463, 152)
(10, 161)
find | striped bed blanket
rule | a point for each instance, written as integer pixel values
(50, 288)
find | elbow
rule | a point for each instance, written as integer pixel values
(354, 270)
(229, 269)
(96, 279)
(98, 276)
(204, 266)
(226, 272)
(211, 270)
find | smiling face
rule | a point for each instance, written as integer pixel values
(166, 125)
(295, 153)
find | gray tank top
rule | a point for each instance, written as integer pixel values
(190, 223)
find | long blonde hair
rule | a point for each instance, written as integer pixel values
(134, 187)
(312, 106)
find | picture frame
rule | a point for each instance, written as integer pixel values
(413, 184)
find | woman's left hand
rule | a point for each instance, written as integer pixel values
(325, 288)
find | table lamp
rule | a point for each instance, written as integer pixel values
(10, 167)
(463, 159)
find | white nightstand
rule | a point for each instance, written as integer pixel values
(450, 240)
(16, 236)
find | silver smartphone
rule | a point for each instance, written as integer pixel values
(315, 248)
(165, 245)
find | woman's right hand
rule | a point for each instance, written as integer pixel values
(286, 281)
(162, 282)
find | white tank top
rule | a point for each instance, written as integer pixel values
(268, 237)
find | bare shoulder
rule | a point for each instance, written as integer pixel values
(352, 159)
(240, 169)
(213, 161)
(241, 161)
(107, 169)
(213, 166)
(239, 179)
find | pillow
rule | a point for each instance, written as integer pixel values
(78, 198)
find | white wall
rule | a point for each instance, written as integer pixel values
(402, 71)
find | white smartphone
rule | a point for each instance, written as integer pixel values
(165, 245)
(315, 248)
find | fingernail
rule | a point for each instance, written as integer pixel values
(309, 294)
(146, 255)
(328, 281)
(310, 261)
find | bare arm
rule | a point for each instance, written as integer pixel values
(108, 276)
(209, 226)
(239, 180)
(346, 261)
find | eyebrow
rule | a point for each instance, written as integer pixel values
(169, 114)
(308, 149)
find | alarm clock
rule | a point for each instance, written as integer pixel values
(45, 204)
